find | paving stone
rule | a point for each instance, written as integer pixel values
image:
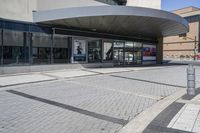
(21, 79)
(69, 74)
(103, 94)
(186, 118)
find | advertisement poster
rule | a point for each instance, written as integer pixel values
(79, 50)
(149, 54)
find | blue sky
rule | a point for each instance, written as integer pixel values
(171, 5)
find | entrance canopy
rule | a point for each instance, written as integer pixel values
(119, 20)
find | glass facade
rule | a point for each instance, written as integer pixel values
(29, 44)
(127, 53)
(41, 48)
(15, 50)
(60, 49)
(95, 51)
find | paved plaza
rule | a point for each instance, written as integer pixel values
(102, 100)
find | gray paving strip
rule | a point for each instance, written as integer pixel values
(190, 97)
(28, 83)
(164, 118)
(71, 108)
(153, 82)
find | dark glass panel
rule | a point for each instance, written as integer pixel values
(94, 51)
(60, 55)
(41, 55)
(14, 55)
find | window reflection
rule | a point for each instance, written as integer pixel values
(60, 55)
(94, 51)
(41, 55)
(14, 54)
(107, 51)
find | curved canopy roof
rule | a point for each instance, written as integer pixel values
(119, 20)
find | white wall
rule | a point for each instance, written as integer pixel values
(17, 9)
(156, 4)
(56, 4)
(22, 9)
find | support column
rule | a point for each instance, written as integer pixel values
(159, 57)
(1, 45)
(70, 50)
(52, 45)
(30, 42)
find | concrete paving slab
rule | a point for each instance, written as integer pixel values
(19, 114)
(126, 85)
(196, 127)
(171, 75)
(97, 99)
(22, 79)
(186, 118)
(69, 73)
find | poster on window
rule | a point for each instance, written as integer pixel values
(79, 50)
(149, 54)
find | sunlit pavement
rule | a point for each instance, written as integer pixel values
(89, 100)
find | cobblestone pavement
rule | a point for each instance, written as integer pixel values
(101, 103)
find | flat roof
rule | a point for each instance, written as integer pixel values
(120, 20)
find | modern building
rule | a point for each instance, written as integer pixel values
(103, 32)
(186, 46)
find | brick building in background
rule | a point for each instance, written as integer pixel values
(183, 47)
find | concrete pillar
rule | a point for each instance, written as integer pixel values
(1, 48)
(52, 45)
(30, 41)
(70, 50)
(159, 57)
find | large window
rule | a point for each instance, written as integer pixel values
(118, 53)
(41, 48)
(60, 55)
(14, 54)
(95, 51)
(60, 49)
(41, 55)
(15, 49)
(129, 53)
(107, 51)
(137, 53)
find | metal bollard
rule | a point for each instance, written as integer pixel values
(191, 80)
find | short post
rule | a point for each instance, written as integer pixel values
(191, 80)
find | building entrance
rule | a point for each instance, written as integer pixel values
(118, 53)
(127, 53)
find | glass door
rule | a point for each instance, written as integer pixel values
(137, 53)
(129, 56)
(118, 53)
(94, 51)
